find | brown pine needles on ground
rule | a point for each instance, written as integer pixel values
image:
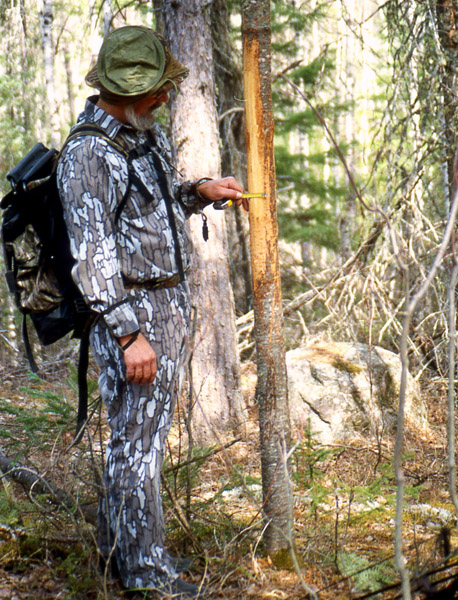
(344, 509)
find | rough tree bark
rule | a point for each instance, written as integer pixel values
(215, 365)
(271, 392)
(447, 27)
(69, 78)
(229, 83)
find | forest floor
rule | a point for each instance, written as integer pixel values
(344, 506)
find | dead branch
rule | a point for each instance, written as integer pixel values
(181, 516)
(204, 457)
(372, 209)
(35, 484)
(412, 304)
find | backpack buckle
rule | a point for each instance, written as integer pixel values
(81, 306)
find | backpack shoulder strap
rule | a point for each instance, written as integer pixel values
(96, 131)
(163, 186)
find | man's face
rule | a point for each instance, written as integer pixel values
(146, 106)
(140, 114)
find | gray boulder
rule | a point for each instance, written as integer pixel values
(345, 391)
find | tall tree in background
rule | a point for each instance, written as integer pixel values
(447, 24)
(107, 16)
(215, 364)
(229, 83)
(271, 391)
(310, 184)
(46, 26)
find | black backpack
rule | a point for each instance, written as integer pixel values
(37, 253)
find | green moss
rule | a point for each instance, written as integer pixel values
(282, 560)
(345, 365)
(366, 577)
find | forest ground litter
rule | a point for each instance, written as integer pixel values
(343, 514)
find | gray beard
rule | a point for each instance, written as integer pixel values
(138, 122)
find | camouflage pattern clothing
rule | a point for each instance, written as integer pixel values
(115, 263)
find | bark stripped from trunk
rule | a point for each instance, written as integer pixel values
(271, 393)
(215, 364)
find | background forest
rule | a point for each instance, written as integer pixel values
(365, 110)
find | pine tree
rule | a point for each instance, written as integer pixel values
(271, 388)
(215, 363)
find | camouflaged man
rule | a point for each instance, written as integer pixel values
(127, 224)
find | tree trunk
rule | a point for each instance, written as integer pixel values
(107, 17)
(346, 124)
(46, 21)
(447, 27)
(24, 62)
(69, 77)
(271, 392)
(215, 364)
(229, 83)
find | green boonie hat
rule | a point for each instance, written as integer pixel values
(134, 62)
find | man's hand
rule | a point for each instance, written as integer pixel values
(140, 359)
(217, 189)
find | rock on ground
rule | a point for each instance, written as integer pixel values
(345, 391)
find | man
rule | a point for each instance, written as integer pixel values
(132, 249)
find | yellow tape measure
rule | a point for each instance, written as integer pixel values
(222, 204)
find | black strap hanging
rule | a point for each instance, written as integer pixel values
(27, 346)
(83, 364)
(164, 188)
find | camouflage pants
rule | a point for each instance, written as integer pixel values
(131, 522)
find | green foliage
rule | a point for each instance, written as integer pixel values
(308, 469)
(79, 579)
(36, 424)
(310, 74)
(11, 509)
(366, 577)
(290, 18)
(189, 473)
(238, 477)
(309, 198)
(72, 382)
(311, 224)
(21, 102)
(308, 460)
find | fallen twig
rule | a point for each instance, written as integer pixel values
(208, 454)
(36, 484)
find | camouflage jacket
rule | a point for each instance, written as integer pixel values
(138, 247)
